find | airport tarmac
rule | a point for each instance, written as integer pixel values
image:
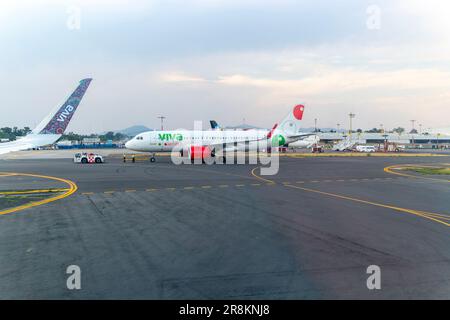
(161, 231)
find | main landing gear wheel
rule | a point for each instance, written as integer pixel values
(193, 161)
(152, 159)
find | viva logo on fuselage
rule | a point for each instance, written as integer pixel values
(170, 136)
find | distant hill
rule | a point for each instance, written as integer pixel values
(134, 130)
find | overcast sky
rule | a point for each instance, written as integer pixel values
(386, 61)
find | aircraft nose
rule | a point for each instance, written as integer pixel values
(128, 144)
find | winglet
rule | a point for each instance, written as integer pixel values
(60, 120)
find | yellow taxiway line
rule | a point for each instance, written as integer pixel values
(262, 179)
(391, 169)
(72, 189)
(423, 214)
(6, 174)
(32, 191)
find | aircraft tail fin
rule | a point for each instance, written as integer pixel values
(214, 125)
(290, 125)
(56, 123)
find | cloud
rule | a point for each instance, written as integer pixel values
(105, 4)
(344, 80)
(381, 84)
(180, 77)
(227, 59)
(432, 15)
(32, 11)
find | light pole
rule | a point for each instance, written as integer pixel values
(162, 122)
(437, 141)
(381, 128)
(412, 131)
(385, 136)
(315, 125)
(351, 116)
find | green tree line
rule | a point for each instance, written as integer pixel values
(103, 137)
(13, 133)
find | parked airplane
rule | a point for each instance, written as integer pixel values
(52, 127)
(197, 144)
(306, 141)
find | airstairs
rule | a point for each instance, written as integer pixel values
(346, 144)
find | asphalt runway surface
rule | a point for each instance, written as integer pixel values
(160, 231)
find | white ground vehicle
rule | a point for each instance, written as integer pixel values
(87, 158)
(366, 148)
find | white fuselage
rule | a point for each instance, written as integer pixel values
(308, 142)
(166, 141)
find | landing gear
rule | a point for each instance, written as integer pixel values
(152, 158)
(194, 162)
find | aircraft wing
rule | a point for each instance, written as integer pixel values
(29, 142)
(7, 147)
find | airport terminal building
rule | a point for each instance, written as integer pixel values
(429, 140)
